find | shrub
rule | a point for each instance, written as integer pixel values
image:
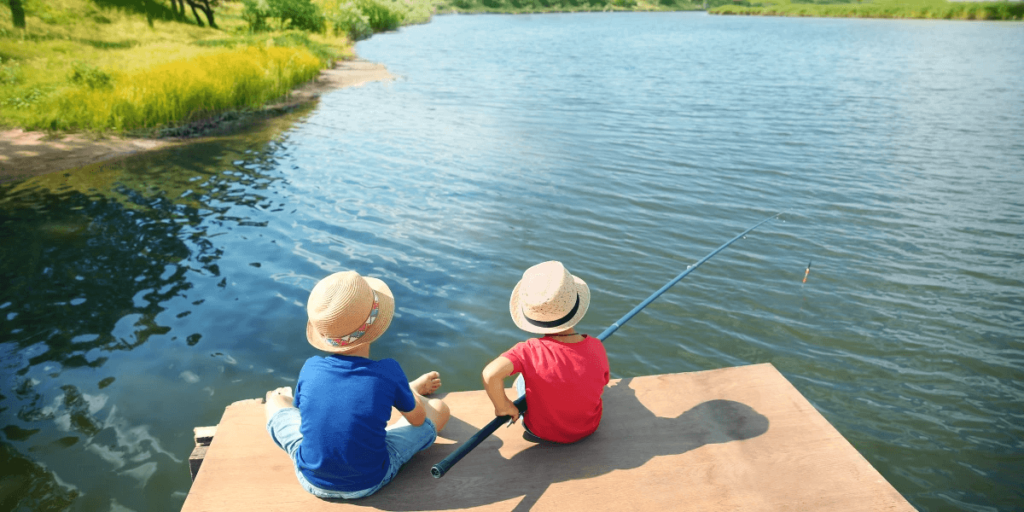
(24, 101)
(380, 15)
(89, 76)
(255, 13)
(296, 14)
(346, 18)
(8, 73)
(300, 14)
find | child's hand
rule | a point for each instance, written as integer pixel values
(507, 408)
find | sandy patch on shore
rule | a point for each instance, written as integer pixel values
(24, 154)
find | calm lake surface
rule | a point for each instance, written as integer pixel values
(140, 298)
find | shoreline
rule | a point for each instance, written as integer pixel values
(952, 10)
(26, 154)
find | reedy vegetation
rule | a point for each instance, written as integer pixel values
(182, 90)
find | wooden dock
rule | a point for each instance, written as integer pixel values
(731, 439)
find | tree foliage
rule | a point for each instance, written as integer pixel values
(382, 16)
(296, 14)
(345, 17)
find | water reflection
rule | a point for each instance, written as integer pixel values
(28, 485)
(90, 260)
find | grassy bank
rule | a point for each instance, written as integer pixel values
(926, 9)
(180, 91)
(146, 66)
(121, 66)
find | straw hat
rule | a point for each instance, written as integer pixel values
(347, 311)
(548, 299)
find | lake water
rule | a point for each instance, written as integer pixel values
(140, 298)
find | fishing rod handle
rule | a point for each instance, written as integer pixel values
(439, 469)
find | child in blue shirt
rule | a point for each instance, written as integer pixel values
(335, 429)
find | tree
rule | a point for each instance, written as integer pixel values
(203, 5)
(178, 8)
(17, 13)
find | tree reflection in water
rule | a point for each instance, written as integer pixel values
(88, 261)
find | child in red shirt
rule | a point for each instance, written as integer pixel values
(562, 373)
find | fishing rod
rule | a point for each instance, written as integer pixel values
(439, 469)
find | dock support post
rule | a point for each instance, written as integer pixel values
(203, 438)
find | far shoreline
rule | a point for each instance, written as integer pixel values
(24, 154)
(951, 10)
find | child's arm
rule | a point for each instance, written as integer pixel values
(494, 384)
(418, 414)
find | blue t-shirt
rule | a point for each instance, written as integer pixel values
(345, 403)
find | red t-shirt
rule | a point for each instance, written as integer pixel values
(564, 382)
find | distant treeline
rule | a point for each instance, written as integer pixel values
(525, 6)
(922, 9)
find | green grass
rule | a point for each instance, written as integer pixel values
(930, 9)
(96, 51)
(183, 90)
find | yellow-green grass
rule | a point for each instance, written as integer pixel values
(182, 90)
(927, 9)
(39, 63)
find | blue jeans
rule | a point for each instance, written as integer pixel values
(520, 386)
(403, 442)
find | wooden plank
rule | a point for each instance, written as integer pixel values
(195, 460)
(204, 435)
(730, 439)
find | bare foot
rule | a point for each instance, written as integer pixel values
(427, 383)
(277, 399)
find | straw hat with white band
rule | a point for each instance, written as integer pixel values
(347, 311)
(548, 299)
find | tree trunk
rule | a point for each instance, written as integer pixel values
(17, 13)
(196, 14)
(203, 5)
(209, 13)
(149, 12)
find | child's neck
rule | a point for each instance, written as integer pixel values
(567, 336)
(362, 351)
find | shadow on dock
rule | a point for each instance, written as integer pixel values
(634, 438)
